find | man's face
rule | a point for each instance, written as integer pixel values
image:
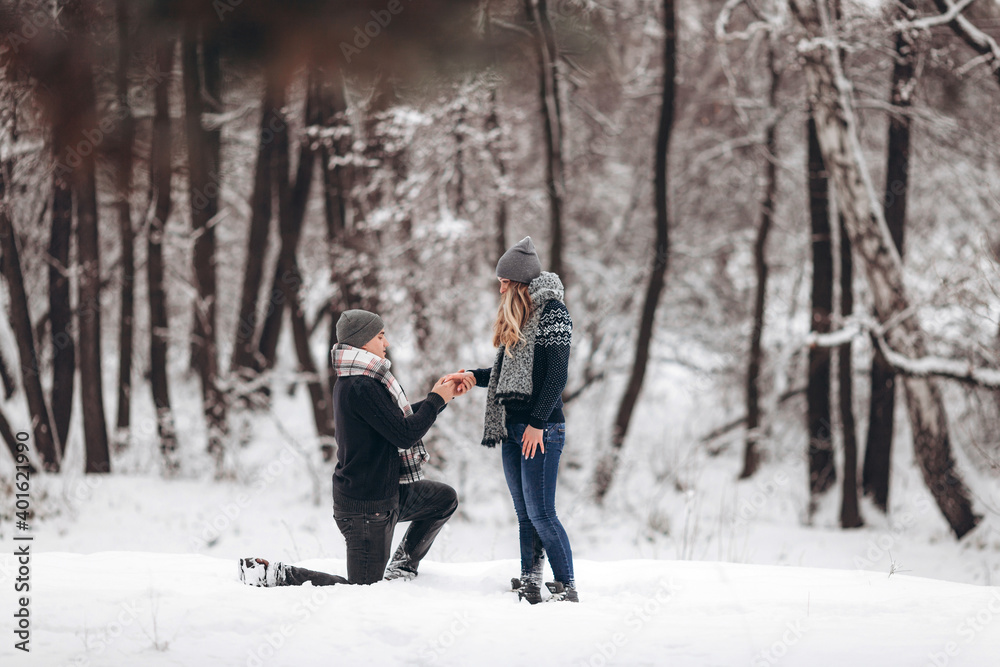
(377, 345)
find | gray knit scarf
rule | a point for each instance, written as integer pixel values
(510, 380)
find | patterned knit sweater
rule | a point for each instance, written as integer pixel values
(548, 378)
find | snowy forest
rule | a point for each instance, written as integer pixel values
(776, 223)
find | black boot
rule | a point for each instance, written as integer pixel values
(527, 590)
(401, 566)
(561, 591)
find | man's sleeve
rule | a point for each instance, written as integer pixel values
(375, 406)
(416, 406)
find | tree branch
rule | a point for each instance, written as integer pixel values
(954, 369)
(932, 21)
(982, 43)
(739, 421)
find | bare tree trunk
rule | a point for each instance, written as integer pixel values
(357, 271)
(124, 187)
(203, 161)
(245, 362)
(850, 513)
(7, 433)
(870, 237)
(9, 385)
(89, 321)
(291, 218)
(333, 110)
(84, 182)
(494, 143)
(751, 455)
(547, 53)
(160, 188)
(459, 180)
(657, 277)
(60, 310)
(822, 472)
(878, 446)
(321, 405)
(422, 329)
(20, 321)
(495, 133)
(292, 201)
(352, 265)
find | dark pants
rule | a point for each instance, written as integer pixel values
(296, 576)
(428, 505)
(532, 484)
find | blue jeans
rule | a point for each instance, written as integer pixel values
(532, 484)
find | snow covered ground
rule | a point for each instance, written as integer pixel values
(683, 565)
(131, 608)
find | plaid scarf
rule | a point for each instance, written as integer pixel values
(348, 360)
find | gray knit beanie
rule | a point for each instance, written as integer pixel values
(520, 263)
(357, 327)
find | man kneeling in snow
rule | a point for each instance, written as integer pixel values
(378, 480)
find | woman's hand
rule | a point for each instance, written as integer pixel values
(531, 439)
(464, 380)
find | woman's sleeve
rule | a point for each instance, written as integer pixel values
(482, 376)
(555, 335)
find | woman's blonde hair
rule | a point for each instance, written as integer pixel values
(515, 309)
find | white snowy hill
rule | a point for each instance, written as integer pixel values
(133, 608)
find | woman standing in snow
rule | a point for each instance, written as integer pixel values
(524, 414)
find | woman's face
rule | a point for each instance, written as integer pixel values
(504, 285)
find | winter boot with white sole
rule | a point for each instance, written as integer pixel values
(561, 591)
(400, 567)
(526, 589)
(259, 572)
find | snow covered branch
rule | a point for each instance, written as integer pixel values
(724, 37)
(932, 21)
(985, 45)
(722, 33)
(853, 329)
(955, 369)
(214, 121)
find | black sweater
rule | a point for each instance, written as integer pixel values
(370, 427)
(548, 376)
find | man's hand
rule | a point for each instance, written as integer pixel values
(464, 379)
(531, 439)
(446, 389)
